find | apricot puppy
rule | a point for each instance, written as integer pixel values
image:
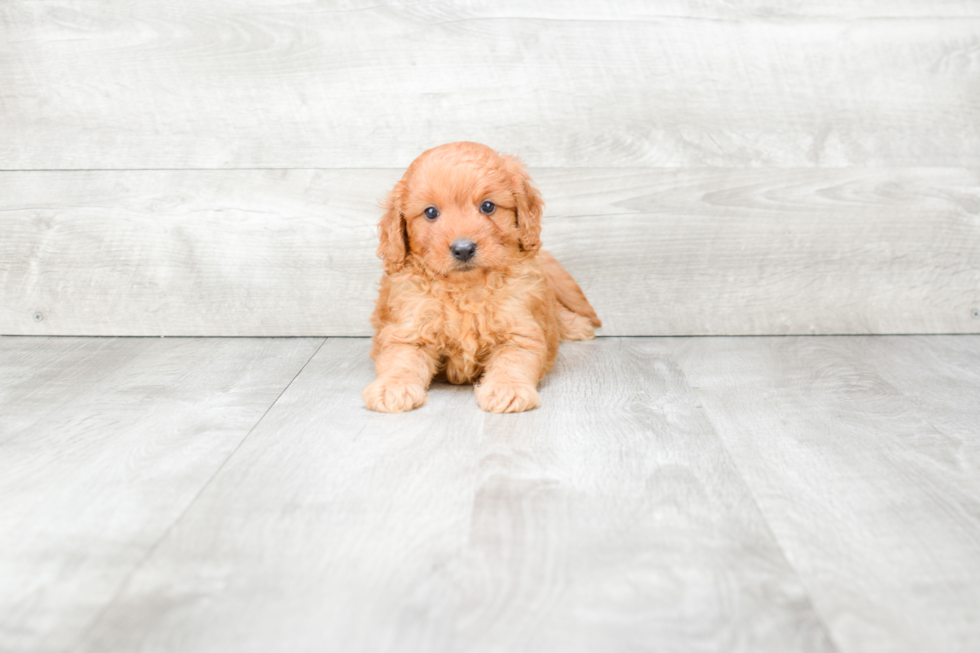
(467, 291)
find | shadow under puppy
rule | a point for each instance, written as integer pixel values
(466, 289)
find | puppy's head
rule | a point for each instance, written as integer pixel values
(459, 208)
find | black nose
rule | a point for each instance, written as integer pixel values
(463, 250)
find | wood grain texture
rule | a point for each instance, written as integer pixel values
(864, 457)
(730, 9)
(658, 252)
(103, 445)
(609, 519)
(190, 252)
(260, 83)
(612, 519)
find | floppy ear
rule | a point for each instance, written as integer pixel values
(393, 232)
(529, 205)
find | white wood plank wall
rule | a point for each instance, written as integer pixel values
(748, 167)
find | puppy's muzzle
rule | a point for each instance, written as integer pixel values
(463, 250)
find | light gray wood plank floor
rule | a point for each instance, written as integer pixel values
(103, 445)
(864, 454)
(671, 494)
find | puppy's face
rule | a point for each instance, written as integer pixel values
(460, 208)
(460, 216)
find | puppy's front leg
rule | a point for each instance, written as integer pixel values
(404, 373)
(509, 383)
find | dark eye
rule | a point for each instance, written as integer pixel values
(487, 207)
(431, 213)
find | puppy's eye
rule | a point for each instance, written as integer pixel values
(487, 207)
(431, 213)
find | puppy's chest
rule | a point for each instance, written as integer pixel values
(467, 324)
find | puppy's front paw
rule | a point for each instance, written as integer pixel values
(507, 397)
(386, 396)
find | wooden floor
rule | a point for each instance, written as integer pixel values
(671, 494)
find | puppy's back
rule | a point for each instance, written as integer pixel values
(566, 290)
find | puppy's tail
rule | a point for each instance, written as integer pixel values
(566, 290)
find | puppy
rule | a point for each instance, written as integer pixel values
(466, 290)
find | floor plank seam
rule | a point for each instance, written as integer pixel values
(772, 534)
(150, 552)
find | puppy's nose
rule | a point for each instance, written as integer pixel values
(463, 250)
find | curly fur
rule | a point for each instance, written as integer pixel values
(497, 319)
